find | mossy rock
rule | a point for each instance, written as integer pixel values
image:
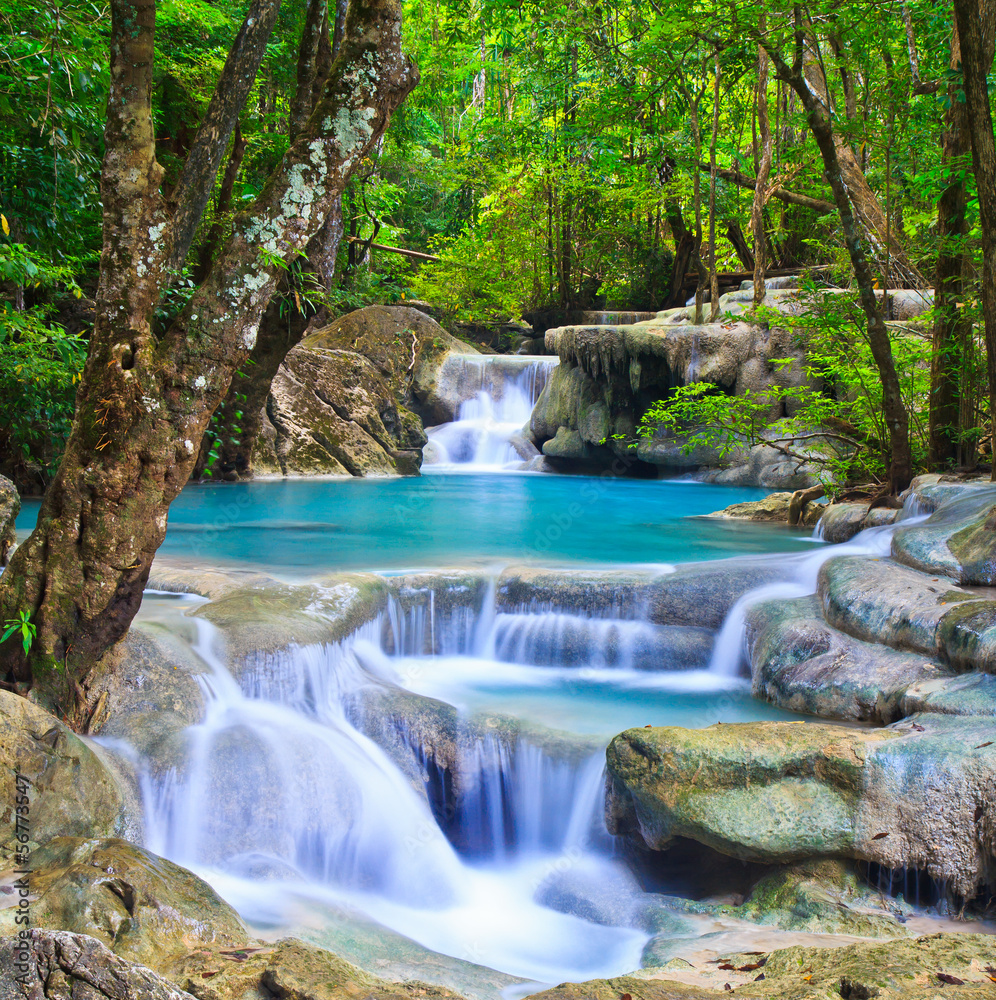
(72, 788)
(10, 507)
(143, 907)
(820, 897)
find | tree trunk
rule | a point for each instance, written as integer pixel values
(763, 170)
(739, 243)
(818, 117)
(951, 329)
(144, 403)
(863, 200)
(684, 245)
(713, 266)
(975, 30)
(697, 194)
(227, 446)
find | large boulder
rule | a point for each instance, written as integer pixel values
(917, 795)
(346, 400)
(56, 965)
(143, 907)
(72, 787)
(10, 506)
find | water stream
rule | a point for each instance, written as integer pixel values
(440, 771)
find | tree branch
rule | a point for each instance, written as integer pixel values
(735, 176)
(315, 19)
(230, 95)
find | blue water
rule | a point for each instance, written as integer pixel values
(307, 525)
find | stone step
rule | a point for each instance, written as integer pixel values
(801, 663)
(917, 795)
(879, 600)
(967, 694)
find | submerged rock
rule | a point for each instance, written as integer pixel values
(10, 507)
(145, 908)
(917, 795)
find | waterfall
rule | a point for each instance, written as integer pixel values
(286, 796)
(492, 398)
(729, 655)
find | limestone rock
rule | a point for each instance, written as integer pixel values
(773, 508)
(968, 694)
(145, 908)
(61, 966)
(801, 663)
(347, 399)
(10, 507)
(702, 595)
(331, 412)
(820, 897)
(904, 969)
(878, 600)
(73, 790)
(840, 522)
(259, 622)
(957, 538)
(916, 795)
(291, 970)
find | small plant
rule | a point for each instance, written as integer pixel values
(23, 624)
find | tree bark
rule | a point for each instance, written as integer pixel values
(951, 329)
(739, 243)
(863, 200)
(975, 30)
(818, 118)
(764, 168)
(211, 141)
(684, 246)
(143, 403)
(713, 266)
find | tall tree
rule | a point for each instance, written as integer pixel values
(145, 398)
(975, 30)
(798, 76)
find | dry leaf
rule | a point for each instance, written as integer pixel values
(950, 980)
(879, 836)
(988, 743)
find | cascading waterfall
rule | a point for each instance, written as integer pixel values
(288, 794)
(493, 397)
(801, 573)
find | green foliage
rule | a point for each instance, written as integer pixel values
(836, 421)
(22, 625)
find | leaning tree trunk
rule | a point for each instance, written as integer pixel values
(227, 446)
(975, 20)
(144, 402)
(684, 248)
(865, 205)
(818, 118)
(952, 331)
